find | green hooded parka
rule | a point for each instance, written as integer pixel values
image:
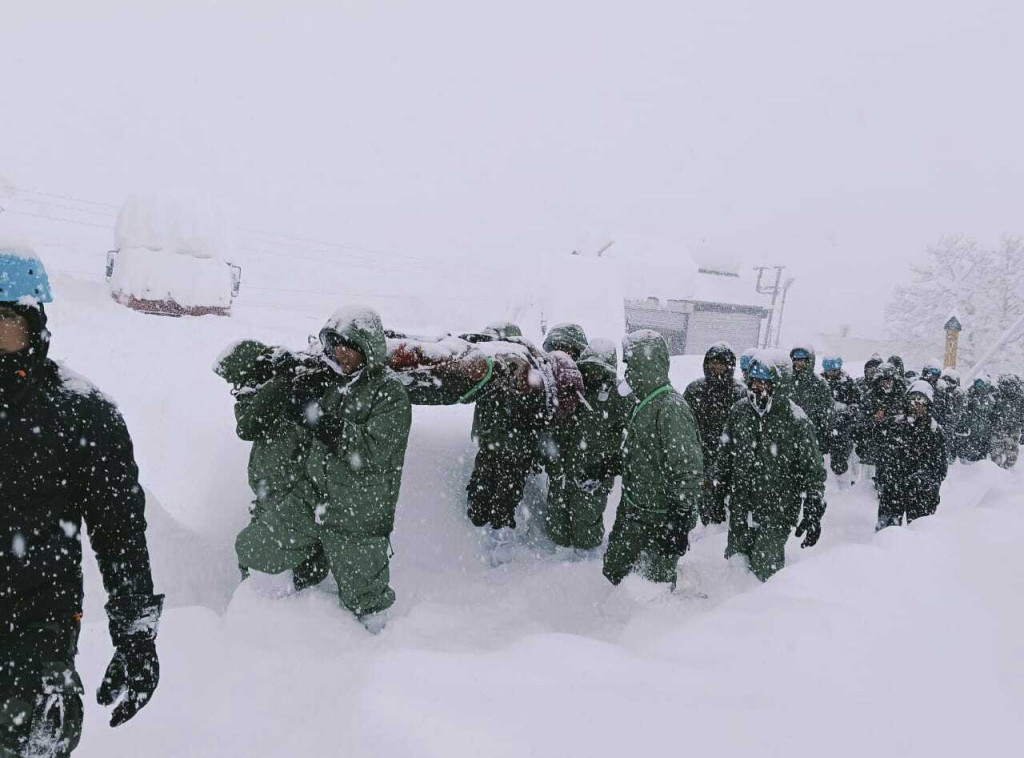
(589, 444)
(662, 469)
(329, 473)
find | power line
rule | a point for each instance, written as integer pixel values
(74, 209)
(56, 218)
(67, 197)
(428, 261)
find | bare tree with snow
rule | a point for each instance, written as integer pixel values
(983, 287)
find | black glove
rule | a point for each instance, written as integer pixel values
(814, 509)
(134, 672)
(306, 391)
(812, 526)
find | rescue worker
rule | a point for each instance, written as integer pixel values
(911, 460)
(845, 402)
(771, 470)
(710, 399)
(340, 435)
(67, 461)
(590, 455)
(662, 470)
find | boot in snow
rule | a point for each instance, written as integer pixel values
(374, 622)
(500, 543)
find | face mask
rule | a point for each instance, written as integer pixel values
(761, 399)
(14, 371)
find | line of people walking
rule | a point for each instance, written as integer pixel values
(329, 431)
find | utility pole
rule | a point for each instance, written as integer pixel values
(782, 308)
(773, 290)
(953, 329)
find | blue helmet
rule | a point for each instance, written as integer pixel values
(745, 361)
(23, 278)
(800, 354)
(832, 363)
(759, 371)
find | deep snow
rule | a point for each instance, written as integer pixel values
(904, 643)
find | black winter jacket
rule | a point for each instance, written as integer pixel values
(66, 458)
(911, 455)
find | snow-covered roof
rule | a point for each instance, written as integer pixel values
(736, 289)
(714, 260)
(670, 270)
(176, 224)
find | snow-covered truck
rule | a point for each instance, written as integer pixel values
(170, 258)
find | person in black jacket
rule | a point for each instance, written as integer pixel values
(846, 403)
(911, 461)
(66, 459)
(711, 399)
(884, 399)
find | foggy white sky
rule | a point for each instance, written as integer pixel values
(838, 138)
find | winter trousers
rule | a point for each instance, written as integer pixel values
(496, 485)
(40, 691)
(287, 537)
(764, 545)
(635, 546)
(838, 446)
(895, 503)
(574, 516)
(1005, 450)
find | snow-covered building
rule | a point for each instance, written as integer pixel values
(701, 299)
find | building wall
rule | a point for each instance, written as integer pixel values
(741, 330)
(691, 328)
(671, 325)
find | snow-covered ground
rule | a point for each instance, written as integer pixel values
(905, 643)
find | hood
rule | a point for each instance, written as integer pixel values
(812, 358)
(1010, 385)
(780, 365)
(600, 354)
(720, 351)
(921, 387)
(503, 330)
(887, 371)
(362, 327)
(647, 361)
(897, 361)
(569, 338)
(568, 383)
